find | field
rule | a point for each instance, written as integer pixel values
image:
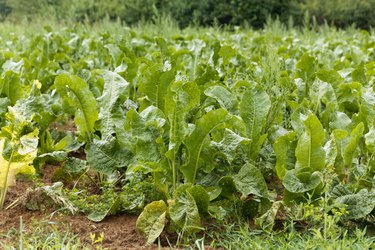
(154, 137)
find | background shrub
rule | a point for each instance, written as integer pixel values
(340, 13)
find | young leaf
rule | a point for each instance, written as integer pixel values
(76, 93)
(152, 220)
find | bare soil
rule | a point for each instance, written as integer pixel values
(119, 231)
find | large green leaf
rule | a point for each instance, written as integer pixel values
(183, 210)
(230, 142)
(152, 220)
(330, 76)
(154, 84)
(106, 156)
(195, 141)
(250, 180)
(370, 140)
(201, 197)
(10, 85)
(351, 148)
(254, 108)
(301, 180)
(180, 99)
(340, 137)
(309, 151)
(357, 205)
(223, 96)
(99, 213)
(76, 93)
(110, 113)
(282, 148)
(37, 107)
(142, 134)
(306, 67)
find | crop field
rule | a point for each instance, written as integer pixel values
(155, 137)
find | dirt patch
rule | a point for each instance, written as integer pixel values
(119, 231)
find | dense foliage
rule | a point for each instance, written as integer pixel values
(219, 124)
(341, 13)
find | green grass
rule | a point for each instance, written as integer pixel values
(42, 235)
(242, 237)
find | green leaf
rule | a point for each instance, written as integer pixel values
(306, 67)
(10, 85)
(230, 142)
(180, 99)
(340, 121)
(223, 96)
(254, 108)
(267, 220)
(249, 180)
(309, 151)
(154, 84)
(330, 76)
(195, 141)
(110, 113)
(226, 53)
(352, 147)
(370, 140)
(99, 215)
(201, 197)
(152, 220)
(359, 75)
(68, 144)
(183, 210)
(37, 107)
(76, 93)
(140, 136)
(55, 156)
(74, 165)
(106, 156)
(357, 205)
(301, 180)
(340, 137)
(282, 148)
